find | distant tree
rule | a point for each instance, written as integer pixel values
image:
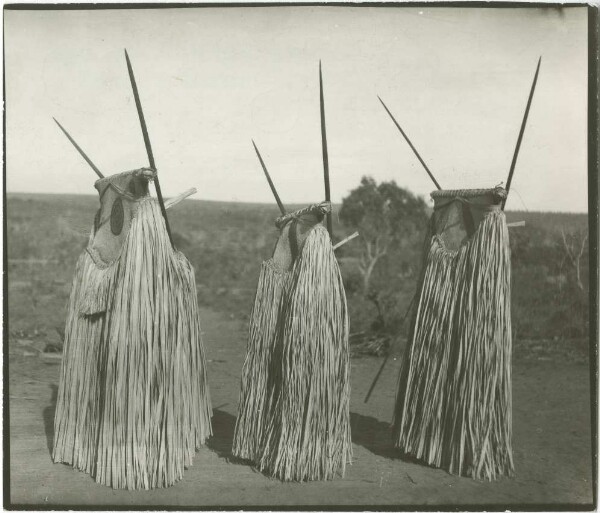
(574, 245)
(387, 217)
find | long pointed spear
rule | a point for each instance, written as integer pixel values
(410, 144)
(147, 143)
(521, 132)
(81, 152)
(325, 156)
(279, 204)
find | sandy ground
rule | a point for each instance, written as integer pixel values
(552, 444)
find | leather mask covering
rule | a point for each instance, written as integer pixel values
(294, 233)
(457, 214)
(119, 199)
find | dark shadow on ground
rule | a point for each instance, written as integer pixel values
(221, 442)
(48, 416)
(374, 435)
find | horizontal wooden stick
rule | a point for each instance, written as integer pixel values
(347, 239)
(515, 224)
(171, 202)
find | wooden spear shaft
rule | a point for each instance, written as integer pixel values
(138, 105)
(273, 190)
(383, 364)
(410, 144)
(521, 132)
(81, 152)
(325, 154)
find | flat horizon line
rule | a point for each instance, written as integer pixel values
(263, 204)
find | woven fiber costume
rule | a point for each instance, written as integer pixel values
(453, 408)
(133, 404)
(293, 419)
(454, 403)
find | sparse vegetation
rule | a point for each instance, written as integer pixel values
(226, 243)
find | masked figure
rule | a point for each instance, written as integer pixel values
(453, 408)
(454, 402)
(133, 403)
(293, 420)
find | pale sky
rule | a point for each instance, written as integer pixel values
(210, 79)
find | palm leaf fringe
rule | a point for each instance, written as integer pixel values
(98, 283)
(454, 403)
(133, 403)
(308, 432)
(251, 419)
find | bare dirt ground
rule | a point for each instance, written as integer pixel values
(552, 444)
